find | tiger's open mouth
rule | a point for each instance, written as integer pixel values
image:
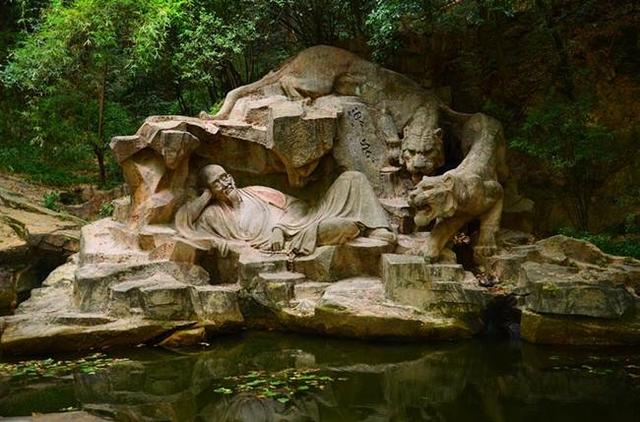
(424, 216)
(419, 202)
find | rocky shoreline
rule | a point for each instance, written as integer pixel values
(568, 291)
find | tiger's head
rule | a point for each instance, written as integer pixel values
(434, 197)
(422, 151)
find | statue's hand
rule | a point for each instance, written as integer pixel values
(277, 239)
(206, 195)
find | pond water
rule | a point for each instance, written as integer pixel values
(261, 376)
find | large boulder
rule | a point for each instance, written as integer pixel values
(572, 292)
(33, 241)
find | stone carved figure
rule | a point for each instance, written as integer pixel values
(224, 216)
(422, 148)
(324, 101)
(471, 190)
(422, 155)
(315, 72)
(398, 104)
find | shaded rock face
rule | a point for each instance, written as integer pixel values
(87, 201)
(33, 241)
(572, 293)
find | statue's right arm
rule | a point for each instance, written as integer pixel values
(198, 205)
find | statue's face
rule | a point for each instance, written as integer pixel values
(422, 153)
(223, 187)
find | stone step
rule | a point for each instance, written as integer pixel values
(80, 318)
(156, 297)
(358, 257)
(162, 297)
(311, 290)
(282, 276)
(409, 280)
(93, 281)
(275, 288)
(102, 244)
(154, 235)
(218, 304)
(125, 296)
(167, 302)
(251, 265)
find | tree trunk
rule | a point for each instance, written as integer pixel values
(99, 148)
(99, 152)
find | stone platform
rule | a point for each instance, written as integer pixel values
(109, 295)
(160, 289)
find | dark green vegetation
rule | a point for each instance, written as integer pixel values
(562, 75)
(250, 377)
(51, 368)
(621, 245)
(281, 386)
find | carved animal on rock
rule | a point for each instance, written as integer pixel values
(422, 149)
(323, 70)
(470, 191)
(423, 155)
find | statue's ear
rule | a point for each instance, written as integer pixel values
(449, 181)
(450, 205)
(438, 133)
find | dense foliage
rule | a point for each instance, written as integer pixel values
(563, 75)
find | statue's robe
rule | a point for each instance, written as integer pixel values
(262, 209)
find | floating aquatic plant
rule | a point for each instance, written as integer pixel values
(281, 386)
(91, 365)
(600, 366)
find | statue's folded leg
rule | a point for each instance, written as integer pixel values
(337, 231)
(351, 196)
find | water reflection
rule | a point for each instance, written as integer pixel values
(477, 380)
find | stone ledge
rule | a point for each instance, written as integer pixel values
(578, 331)
(28, 335)
(358, 308)
(409, 280)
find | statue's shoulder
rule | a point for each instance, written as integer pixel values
(270, 195)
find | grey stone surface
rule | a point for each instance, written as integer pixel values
(572, 293)
(167, 300)
(555, 289)
(91, 288)
(275, 289)
(409, 280)
(311, 290)
(251, 265)
(218, 305)
(358, 307)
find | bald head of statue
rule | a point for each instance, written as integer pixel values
(221, 184)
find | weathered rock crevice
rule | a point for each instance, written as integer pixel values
(34, 241)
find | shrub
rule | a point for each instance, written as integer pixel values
(106, 209)
(51, 200)
(622, 246)
(579, 151)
